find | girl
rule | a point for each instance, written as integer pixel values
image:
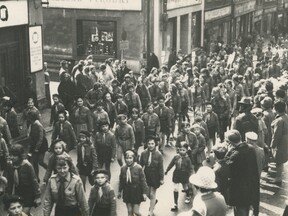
(86, 157)
(181, 174)
(22, 180)
(185, 102)
(143, 92)
(63, 130)
(152, 161)
(100, 115)
(56, 107)
(65, 185)
(58, 148)
(197, 95)
(109, 107)
(200, 156)
(81, 117)
(10, 116)
(115, 90)
(132, 184)
(38, 143)
(138, 127)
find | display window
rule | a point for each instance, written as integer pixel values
(97, 38)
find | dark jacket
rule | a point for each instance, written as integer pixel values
(54, 112)
(37, 137)
(244, 182)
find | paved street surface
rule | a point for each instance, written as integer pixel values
(272, 197)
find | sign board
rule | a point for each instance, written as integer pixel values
(13, 13)
(270, 10)
(244, 8)
(119, 5)
(174, 4)
(217, 13)
(36, 48)
(124, 45)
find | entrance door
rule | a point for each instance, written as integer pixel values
(10, 70)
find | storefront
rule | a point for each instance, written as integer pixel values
(19, 56)
(184, 31)
(258, 21)
(76, 29)
(243, 18)
(217, 25)
(270, 17)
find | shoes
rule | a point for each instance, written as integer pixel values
(175, 208)
(188, 200)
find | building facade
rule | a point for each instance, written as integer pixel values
(21, 48)
(74, 30)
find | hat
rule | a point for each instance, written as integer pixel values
(185, 63)
(204, 178)
(267, 103)
(127, 76)
(251, 136)
(100, 171)
(85, 133)
(256, 110)
(245, 100)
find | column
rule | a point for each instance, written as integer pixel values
(178, 33)
(156, 27)
(189, 32)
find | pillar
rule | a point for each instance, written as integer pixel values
(189, 32)
(178, 33)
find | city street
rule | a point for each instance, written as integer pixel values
(272, 197)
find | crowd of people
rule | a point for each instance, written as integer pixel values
(224, 114)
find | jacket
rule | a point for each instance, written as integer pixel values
(246, 122)
(280, 138)
(54, 112)
(125, 136)
(133, 101)
(139, 130)
(81, 116)
(152, 125)
(90, 158)
(110, 142)
(164, 116)
(37, 137)
(12, 121)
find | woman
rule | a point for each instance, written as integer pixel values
(143, 92)
(81, 117)
(10, 116)
(66, 90)
(65, 189)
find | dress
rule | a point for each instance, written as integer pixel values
(133, 191)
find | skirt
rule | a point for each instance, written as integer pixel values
(132, 194)
(67, 210)
(180, 176)
(152, 177)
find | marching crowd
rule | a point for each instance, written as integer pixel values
(108, 114)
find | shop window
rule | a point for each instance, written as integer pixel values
(96, 38)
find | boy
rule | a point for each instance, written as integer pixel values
(102, 200)
(56, 107)
(100, 115)
(14, 205)
(121, 107)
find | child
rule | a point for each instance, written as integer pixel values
(200, 155)
(30, 108)
(138, 127)
(4, 153)
(63, 130)
(132, 185)
(10, 115)
(86, 157)
(13, 204)
(125, 137)
(109, 107)
(22, 180)
(207, 202)
(181, 174)
(121, 107)
(105, 145)
(221, 169)
(57, 148)
(152, 161)
(102, 199)
(132, 100)
(100, 115)
(56, 107)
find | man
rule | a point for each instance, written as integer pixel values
(244, 183)
(279, 143)
(274, 70)
(246, 121)
(123, 71)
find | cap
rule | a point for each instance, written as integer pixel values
(127, 76)
(256, 110)
(85, 133)
(100, 171)
(251, 136)
(245, 100)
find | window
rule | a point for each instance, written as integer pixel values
(96, 38)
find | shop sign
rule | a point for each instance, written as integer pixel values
(124, 45)
(173, 4)
(119, 5)
(244, 8)
(218, 13)
(36, 48)
(270, 10)
(9, 13)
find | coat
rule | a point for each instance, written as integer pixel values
(54, 112)
(37, 138)
(244, 182)
(12, 121)
(280, 138)
(81, 119)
